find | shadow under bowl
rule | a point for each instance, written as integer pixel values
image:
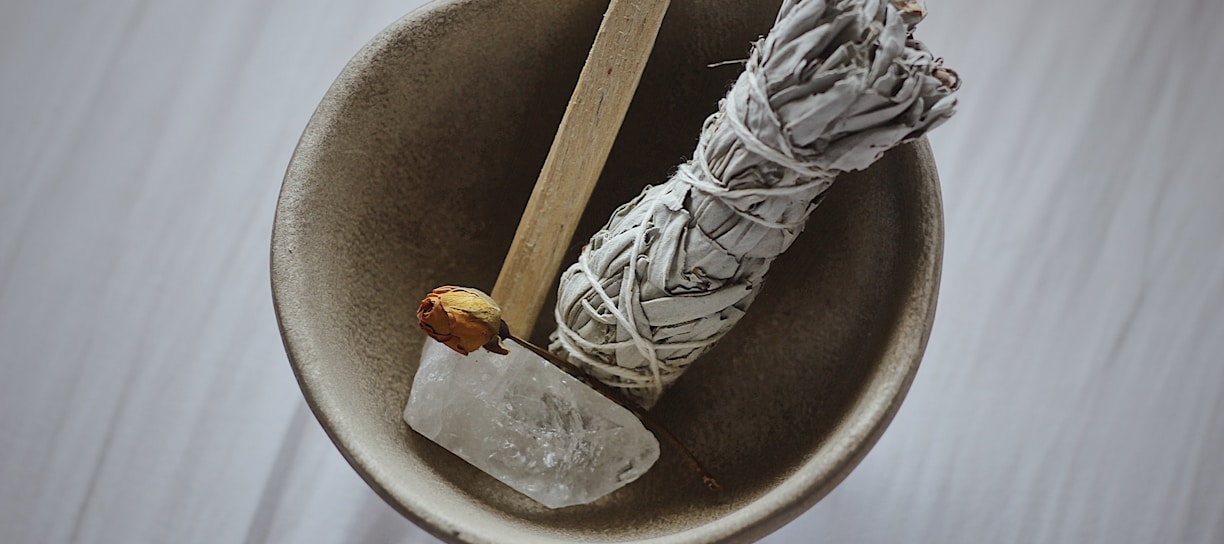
(413, 173)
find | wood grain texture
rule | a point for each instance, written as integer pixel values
(1073, 390)
(589, 127)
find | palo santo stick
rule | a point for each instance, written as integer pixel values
(588, 129)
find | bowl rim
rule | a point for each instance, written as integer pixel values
(866, 417)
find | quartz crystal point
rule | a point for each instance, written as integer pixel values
(529, 424)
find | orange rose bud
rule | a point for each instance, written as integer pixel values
(464, 319)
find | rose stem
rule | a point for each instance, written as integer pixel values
(579, 150)
(615, 396)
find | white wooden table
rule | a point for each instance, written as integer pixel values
(1073, 390)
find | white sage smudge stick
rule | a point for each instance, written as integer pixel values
(834, 85)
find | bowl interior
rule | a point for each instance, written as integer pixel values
(413, 173)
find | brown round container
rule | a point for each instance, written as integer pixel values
(413, 173)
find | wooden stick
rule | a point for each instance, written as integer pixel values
(588, 129)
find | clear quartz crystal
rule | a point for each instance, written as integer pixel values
(527, 423)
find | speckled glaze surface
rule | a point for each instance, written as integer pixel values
(412, 174)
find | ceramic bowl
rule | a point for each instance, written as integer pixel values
(413, 173)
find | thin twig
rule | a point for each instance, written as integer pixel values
(614, 396)
(727, 63)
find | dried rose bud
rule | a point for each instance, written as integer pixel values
(464, 319)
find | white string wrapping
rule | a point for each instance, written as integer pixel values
(834, 85)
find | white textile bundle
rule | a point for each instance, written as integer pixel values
(833, 85)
